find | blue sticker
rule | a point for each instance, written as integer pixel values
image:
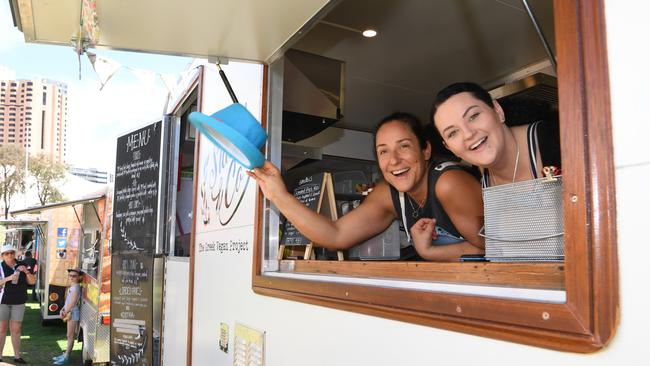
(62, 231)
(61, 243)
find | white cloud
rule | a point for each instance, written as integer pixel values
(7, 73)
(10, 35)
(96, 118)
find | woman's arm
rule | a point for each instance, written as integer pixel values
(460, 195)
(9, 278)
(423, 231)
(371, 217)
(461, 198)
(31, 279)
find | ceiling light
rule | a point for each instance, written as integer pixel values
(369, 33)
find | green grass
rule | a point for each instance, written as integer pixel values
(39, 344)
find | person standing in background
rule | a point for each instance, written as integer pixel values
(31, 264)
(71, 313)
(15, 277)
(27, 248)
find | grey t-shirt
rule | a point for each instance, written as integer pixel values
(74, 289)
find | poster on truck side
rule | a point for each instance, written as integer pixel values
(135, 217)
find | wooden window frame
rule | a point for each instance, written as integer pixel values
(588, 319)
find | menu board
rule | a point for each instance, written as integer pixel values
(308, 192)
(135, 214)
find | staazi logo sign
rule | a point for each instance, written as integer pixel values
(222, 187)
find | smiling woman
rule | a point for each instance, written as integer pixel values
(473, 126)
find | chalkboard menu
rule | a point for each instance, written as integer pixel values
(308, 192)
(135, 214)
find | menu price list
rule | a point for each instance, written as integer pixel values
(135, 212)
(308, 192)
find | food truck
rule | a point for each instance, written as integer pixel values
(234, 297)
(71, 234)
(22, 234)
(58, 249)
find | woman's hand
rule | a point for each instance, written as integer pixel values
(15, 276)
(269, 179)
(62, 313)
(422, 233)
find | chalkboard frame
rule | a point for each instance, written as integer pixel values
(134, 243)
(290, 235)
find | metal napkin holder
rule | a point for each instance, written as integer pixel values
(524, 221)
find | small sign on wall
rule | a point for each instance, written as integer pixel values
(61, 232)
(223, 337)
(249, 346)
(61, 243)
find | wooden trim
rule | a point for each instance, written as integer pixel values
(477, 326)
(259, 198)
(588, 319)
(195, 183)
(524, 275)
(603, 229)
(572, 92)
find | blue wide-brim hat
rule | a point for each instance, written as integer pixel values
(236, 131)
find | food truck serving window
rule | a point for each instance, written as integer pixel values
(550, 304)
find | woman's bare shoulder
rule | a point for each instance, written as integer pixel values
(380, 197)
(455, 181)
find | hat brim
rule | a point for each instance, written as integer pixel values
(77, 271)
(228, 139)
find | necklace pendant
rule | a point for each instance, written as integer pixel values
(416, 211)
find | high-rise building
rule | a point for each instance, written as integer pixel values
(89, 174)
(33, 115)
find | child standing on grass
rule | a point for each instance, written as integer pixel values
(70, 312)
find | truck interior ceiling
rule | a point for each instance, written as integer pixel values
(338, 83)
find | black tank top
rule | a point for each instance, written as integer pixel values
(541, 135)
(432, 207)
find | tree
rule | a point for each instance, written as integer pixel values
(46, 173)
(12, 173)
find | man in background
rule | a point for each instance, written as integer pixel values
(31, 264)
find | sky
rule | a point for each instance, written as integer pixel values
(95, 118)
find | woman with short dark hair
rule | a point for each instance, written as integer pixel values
(473, 127)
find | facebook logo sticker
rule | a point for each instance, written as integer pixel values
(62, 232)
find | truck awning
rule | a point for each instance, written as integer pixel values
(38, 209)
(21, 224)
(254, 30)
